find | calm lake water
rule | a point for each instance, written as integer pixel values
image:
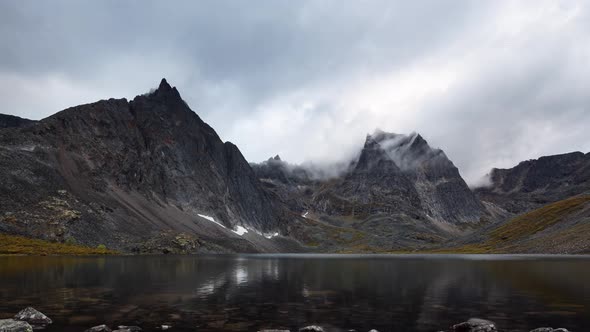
(249, 292)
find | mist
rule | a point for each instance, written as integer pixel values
(490, 84)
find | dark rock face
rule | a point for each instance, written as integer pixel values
(397, 193)
(375, 185)
(11, 121)
(402, 174)
(116, 172)
(293, 185)
(533, 183)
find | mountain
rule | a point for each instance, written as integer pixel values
(140, 175)
(560, 227)
(11, 121)
(402, 174)
(534, 183)
(398, 193)
(150, 176)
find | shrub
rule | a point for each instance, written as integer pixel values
(70, 240)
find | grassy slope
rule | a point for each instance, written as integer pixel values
(523, 234)
(535, 231)
(18, 245)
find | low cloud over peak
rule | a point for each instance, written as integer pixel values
(490, 83)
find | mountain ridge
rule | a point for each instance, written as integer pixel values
(149, 175)
(151, 158)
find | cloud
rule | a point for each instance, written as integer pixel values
(490, 83)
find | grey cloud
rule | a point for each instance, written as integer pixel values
(296, 77)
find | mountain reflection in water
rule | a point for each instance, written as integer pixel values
(249, 292)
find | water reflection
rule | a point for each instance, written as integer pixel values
(244, 293)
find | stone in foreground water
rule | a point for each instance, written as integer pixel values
(11, 325)
(312, 328)
(475, 325)
(33, 316)
(99, 328)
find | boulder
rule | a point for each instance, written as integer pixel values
(124, 328)
(11, 325)
(311, 328)
(33, 317)
(475, 325)
(99, 328)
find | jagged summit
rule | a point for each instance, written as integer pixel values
(165, 90)
(152, 161)
(401, 173)
(407, 151)
(164, 85)
(374, 157)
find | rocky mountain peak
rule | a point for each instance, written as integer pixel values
(166, 91)
(535, 182)
(424, 177)
(153, 161)
(164, 85)
(373, 157)
(407, 151)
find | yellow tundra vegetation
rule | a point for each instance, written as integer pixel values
(503, 238)
(18, 245)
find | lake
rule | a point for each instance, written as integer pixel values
(422, 293)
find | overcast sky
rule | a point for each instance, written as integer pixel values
(490, 82)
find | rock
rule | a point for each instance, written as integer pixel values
(11, 121)
(373, 330)
(274, 331)
(166, 327)
(536, 182)
(11, 325)
(475, 325)
(32, 316)
(153, 148)
(549, 329)
(124, 328)
(99, 328)
(312, 328)
(401, 174)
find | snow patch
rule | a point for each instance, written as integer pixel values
(271, 235)
(210, 219)
(29, 148)
(240, 230)
(305, 214)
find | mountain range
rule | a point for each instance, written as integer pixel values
(148, 175)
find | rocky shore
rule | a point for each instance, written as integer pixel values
(30, 319)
